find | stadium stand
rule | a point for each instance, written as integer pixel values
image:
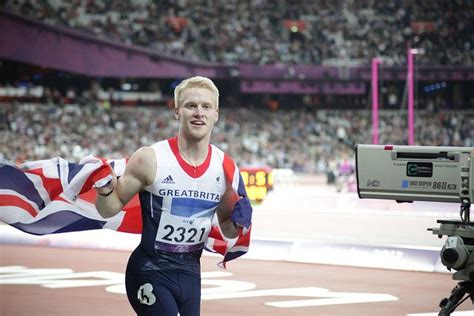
(302, 140)
(295, 84)
(269, 32)
(313, 136)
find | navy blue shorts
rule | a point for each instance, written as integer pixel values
(161, 292)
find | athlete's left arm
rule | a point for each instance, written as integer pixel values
(235, 211)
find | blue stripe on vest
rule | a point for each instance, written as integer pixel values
(187, 207)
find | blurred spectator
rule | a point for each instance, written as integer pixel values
(307, 142)
(268, 32)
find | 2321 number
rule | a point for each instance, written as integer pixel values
(180, 234)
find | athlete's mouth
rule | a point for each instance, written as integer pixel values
(198, 123)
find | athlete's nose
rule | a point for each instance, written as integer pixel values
(198, 110)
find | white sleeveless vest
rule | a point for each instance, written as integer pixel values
(183, 199)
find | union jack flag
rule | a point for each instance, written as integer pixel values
(56, 196)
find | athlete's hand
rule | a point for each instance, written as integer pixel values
(109, 187)
(242, 213)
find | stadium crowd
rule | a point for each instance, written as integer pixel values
(250, 31)
(268, 32)
(306, 141)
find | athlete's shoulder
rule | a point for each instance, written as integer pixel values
(228, 164)
(142, 164)
(221, 155)
(165, 143)
(163, 149)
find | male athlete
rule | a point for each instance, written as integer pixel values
(181, 183)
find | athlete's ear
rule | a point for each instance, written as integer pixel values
(176, 113)
(217, 115)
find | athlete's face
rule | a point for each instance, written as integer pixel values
(197, 113)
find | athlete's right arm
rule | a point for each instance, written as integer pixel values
(139, 172)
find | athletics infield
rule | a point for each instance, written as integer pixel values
(314, 252)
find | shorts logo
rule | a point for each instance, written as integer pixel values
(168, 179)
(145, 294)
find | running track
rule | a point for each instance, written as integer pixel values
(247, 287)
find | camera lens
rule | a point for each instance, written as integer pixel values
(450, 255)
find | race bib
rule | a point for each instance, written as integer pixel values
(182, 234)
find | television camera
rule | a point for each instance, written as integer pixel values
(428, 173)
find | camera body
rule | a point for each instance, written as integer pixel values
(415, 173)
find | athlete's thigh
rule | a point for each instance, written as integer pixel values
(149, 296)
(190, 299)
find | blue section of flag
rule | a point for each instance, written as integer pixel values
(60, 222)
(81, 224)
(242, 212)
(74, 169)
(59, 171)
(233, 255)
(187, 207)
(241, 189)
(11, 178)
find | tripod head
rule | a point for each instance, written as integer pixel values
(458, 254)
(458, 251)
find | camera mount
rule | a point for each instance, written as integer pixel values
(458, 254)
(457, 297)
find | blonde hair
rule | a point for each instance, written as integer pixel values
(195, 82)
